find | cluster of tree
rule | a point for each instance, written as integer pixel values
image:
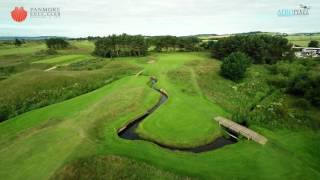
(235, 66)
(208, 45)
(57, 43)
(93, 38)
(121, 46)
(260, 48)
(173, 43)
(313, 43)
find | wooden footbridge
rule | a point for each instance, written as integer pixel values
(246, 132)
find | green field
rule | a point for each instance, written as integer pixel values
(25, 49)
(77, 136)
(302, 40)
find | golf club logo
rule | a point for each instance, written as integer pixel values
(19, 14)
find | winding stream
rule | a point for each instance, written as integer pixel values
(128, 132)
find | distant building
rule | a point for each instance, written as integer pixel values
(307, 52)
(311, 51)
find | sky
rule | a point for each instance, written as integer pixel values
(81, 18)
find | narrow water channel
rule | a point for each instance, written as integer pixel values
(129, 131)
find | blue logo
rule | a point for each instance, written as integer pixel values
(302, 10)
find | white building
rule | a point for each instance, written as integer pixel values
(307, 52)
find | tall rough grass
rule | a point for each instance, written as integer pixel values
(34, 89)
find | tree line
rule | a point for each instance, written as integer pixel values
(128, 45)
(174, 43)
(260, 48)
(121, 45)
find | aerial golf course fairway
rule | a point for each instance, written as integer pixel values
(65, 60)
(79, 136)
(186, 120)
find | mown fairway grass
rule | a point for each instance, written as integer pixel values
(38, 142)
(65, 59)
(303, 40)
(186, 120)
(24, 49)
(67, 139)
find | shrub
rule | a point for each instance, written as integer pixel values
(271, 114)
(51, 52)
(299, 84)
(242, 117)
(234, 66)
(299, 78)
(302, 103)
(207, 45)
(17, 43)
(313, 93)
(309, 63)
(279, 81)
(57, 43)
(306, 85)
(313, 43)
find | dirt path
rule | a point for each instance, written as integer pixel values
(52, 68)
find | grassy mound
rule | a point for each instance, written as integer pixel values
(111, 167)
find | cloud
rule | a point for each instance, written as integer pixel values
(178, 17)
